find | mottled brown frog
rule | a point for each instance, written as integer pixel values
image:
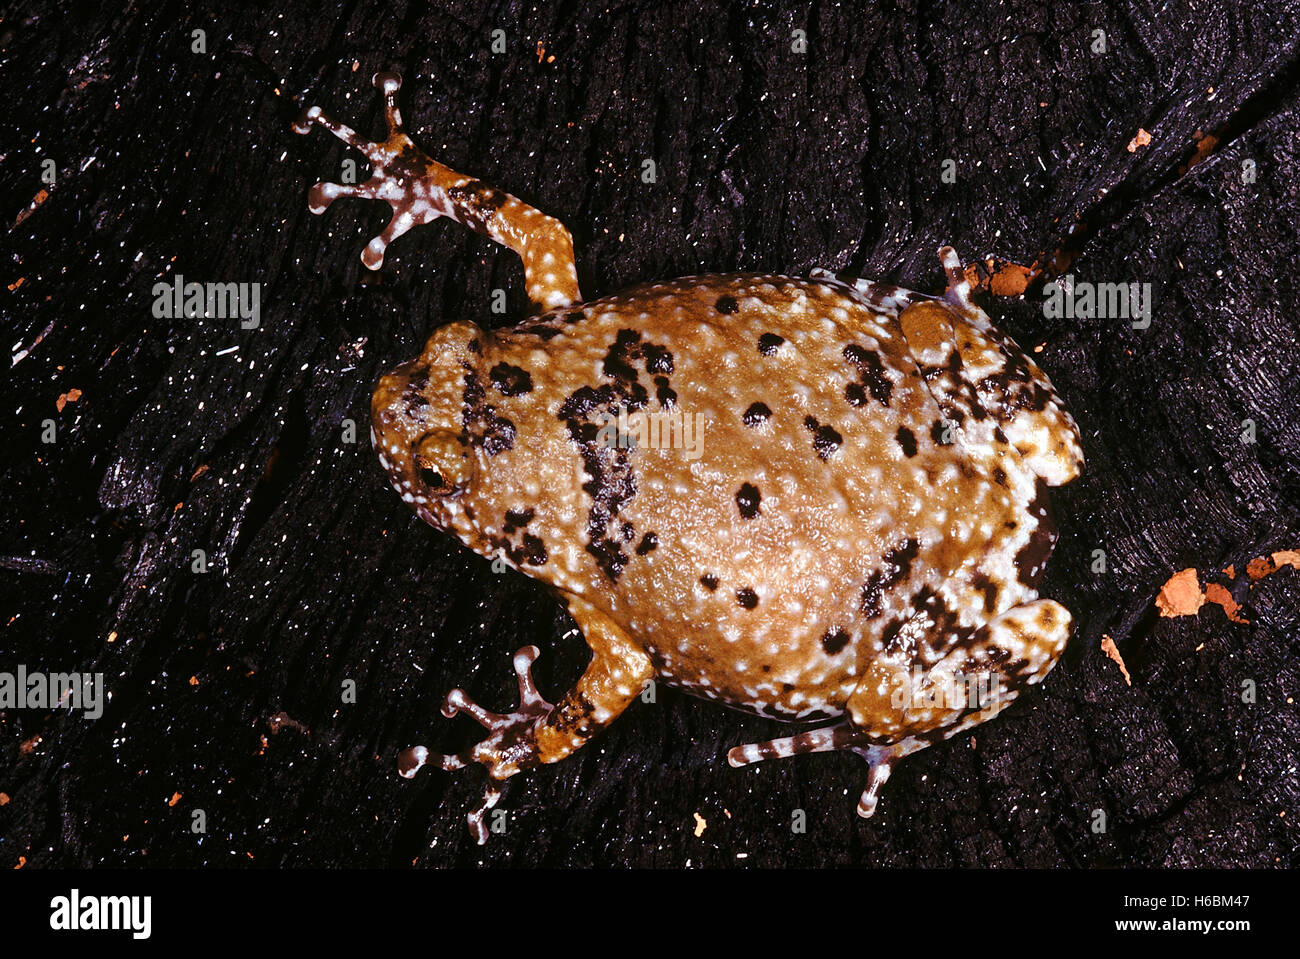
(818, 498)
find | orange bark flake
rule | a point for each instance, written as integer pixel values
(41, 197)
(65, 398)
(1286, 557)
(1011, 279)
(1109, 648)
(1205, 144)
(1260, 566)
(1214, 593)
(1181, 595)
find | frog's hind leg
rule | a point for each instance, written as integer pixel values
(842, 736)
(1011, 401)
(420, 190)
(882, 297)
(897, 709)
(538, 732)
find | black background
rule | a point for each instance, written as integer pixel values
(174, 162)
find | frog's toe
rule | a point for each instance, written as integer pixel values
(320, 196)
(959, 288)
(508, 747)
(880, 762)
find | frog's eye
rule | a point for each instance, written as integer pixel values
(442, 463)
(431, 478)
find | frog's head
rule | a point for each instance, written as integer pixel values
(416, 425)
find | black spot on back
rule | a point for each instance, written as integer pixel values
(826, 439)
(871, 372)
(665, 394)
(481, 425)
(611, 480)
(534, 550)
(511, 380)
(757, 414)
(746, 597)
(726, 304)
(518, 519)
(982, 582)
(769, 343)
(748, 500)
(648, 542)
(657, 358)
(834, 640)
(709, 582)
(618, 361)
(907, 440)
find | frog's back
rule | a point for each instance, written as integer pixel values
(804, 503)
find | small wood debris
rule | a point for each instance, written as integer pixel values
(1109, 648)
(1140, 140)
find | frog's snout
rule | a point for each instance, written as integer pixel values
(418, 439)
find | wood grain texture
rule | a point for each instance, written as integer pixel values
(171, 162)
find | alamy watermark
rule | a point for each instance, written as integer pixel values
(666, 429)
(941, 689)
(75, 912)
(37, 690)
(223, 301)
(1084, 300)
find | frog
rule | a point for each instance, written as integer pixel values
(822, 500)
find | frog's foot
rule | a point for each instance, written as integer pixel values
(509, 747)
(420, 190)
(842, 736)
(401, 173)
(1013, 407)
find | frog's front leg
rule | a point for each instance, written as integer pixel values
(420, 190)
(895, 710)
(538, 732)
